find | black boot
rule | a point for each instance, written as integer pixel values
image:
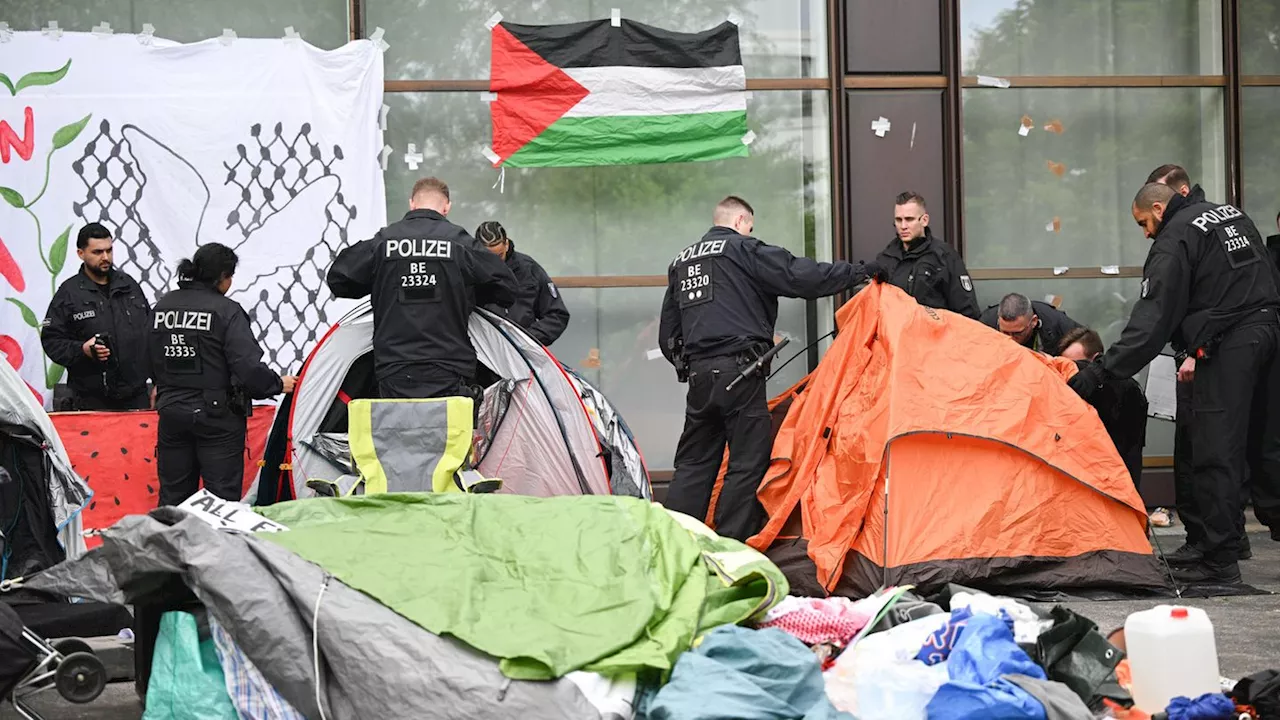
(1205, 573)
(1184, 556)
(1246, 551)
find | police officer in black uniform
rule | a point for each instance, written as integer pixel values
(924, 266)
(208, 370)
(1209, 286)
(1032, 324)
(538, 307)
(717, 318)
(425, 276)
(96, 327)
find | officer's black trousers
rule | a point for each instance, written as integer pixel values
(713, 417)
(1183, 470)
(192, 444)
(85, 402)
(422, 382)
(1235, 433)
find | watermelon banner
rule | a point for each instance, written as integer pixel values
(591, 93)
(270, 146)
(115, 454)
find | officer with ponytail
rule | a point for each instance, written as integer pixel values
(208, 370)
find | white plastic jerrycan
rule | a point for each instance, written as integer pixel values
(1171, 653)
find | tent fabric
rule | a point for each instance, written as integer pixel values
(374, 663)
(67, 493)
(995, 474)
(549, 442)
(410, 445)
(509, 575)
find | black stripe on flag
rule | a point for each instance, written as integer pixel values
(598, 44)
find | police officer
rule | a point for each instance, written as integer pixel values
(1209, 287)
(96, 327)
(718, 316)
(1032, 324)
(424, 276)
(538, 307)
(208, 370)
(925, 267)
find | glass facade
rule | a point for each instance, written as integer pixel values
(1109, 88)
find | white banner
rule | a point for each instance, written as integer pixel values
(268, 146)
(228, 514)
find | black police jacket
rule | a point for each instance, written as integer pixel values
(1207, 270)
(538, 307)
(722, 293)
(201, 347)
(78, 311)
(1054, 324)
(424, 277)
(932, 273)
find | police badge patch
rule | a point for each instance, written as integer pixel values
(966, 283)
(552, 287)
(1146, 286)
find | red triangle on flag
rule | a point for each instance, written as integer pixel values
(532, 93)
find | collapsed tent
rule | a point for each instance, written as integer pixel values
(41, 496)
(927, 449)
(543, 429)
(472, 605)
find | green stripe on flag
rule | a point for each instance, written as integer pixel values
(634, 140)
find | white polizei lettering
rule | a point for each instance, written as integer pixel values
(1220, 214)
(702, 249)
(419, 248)
(197, 320)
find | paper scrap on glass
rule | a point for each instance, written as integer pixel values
(1061, 270)
(1056, 168)
(995, 82)
(1055, 127)
(1077, 172)
(1110, 269)
(592, 361)
(1025, 127)
(654, 354)
(1054, 225)
(1162, 388)
(881, 126)
(1053, 300)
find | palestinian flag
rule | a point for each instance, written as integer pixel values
(590, 93)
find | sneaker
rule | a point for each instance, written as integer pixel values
(1209, 574)
(1184, 556)
(1246, 550)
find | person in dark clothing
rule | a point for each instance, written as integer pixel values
(538, 307)
(1032, 324)
(424, 276)
(96, 327)
(924, 266)
(717, 318)
(208, 370)
(1209, 286)
(1183, 467)
(1120, 402)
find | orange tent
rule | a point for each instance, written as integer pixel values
(928, 449)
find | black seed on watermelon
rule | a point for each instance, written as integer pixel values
(84, 433)
(124, 451)
(151, 490)
(93, 454)
(93, 504)
(117, 500)
(144, 425)
(146, 460)
(126, 476)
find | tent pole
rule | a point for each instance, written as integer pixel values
(884, 556)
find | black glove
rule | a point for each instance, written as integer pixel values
(874, 270)
(1088, 380)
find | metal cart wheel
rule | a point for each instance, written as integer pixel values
(80, 677)
(68, 646)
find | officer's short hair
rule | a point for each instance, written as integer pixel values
(1172, 175)
(1014, 306)
(92, 231)
(910, 196)
(1089, 339)
(1152, 193)
(430, 185)
(734, 204)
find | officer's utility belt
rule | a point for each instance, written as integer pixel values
(1261, 316)
(742, 357)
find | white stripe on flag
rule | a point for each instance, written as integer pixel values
(629, 90)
